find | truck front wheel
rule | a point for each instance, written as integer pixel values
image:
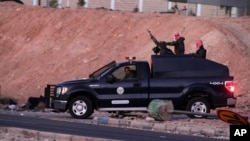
(80, 107)
(198, 105)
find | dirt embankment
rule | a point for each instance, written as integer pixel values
(45, 45)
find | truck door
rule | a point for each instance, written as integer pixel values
(124, 92)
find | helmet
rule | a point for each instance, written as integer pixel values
(177, 35)
(199, 43)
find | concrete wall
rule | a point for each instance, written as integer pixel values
(151, 6)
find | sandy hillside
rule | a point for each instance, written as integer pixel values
(40, 46)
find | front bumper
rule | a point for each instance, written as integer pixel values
(60, 104)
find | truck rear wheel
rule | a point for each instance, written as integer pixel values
(80, 107)
(198, 105)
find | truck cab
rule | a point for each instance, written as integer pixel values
(118, 93)
(106, 89)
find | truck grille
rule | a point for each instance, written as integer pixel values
(49, 95)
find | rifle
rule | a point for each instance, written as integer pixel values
(161, 47)
(153, 38)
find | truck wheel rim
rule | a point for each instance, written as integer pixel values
(79, 108)
(199, 107)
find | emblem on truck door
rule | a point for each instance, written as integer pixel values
(120, 90)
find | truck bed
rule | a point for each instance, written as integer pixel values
(165, 66)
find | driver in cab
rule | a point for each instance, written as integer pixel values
(128, 73)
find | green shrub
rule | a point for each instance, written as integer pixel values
(81, 3)
(53, 3)
(136, 9)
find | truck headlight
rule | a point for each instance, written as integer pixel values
(61, 90)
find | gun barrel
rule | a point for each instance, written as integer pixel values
(149, 31)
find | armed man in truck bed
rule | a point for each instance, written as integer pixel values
(178, 43)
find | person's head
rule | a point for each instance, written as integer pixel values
(177, 35)
(127, 70)
(199, 43)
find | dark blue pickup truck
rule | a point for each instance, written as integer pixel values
(192, 84)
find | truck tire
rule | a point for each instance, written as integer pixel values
(198, 105)
(80, 107)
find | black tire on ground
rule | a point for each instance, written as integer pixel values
(80, 107)
(200, 105)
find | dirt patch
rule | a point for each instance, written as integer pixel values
(40, 46)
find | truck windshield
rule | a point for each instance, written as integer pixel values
(98, 72)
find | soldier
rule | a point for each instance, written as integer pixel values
(201, 51)
(178, 43)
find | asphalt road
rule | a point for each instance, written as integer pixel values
(83, 129)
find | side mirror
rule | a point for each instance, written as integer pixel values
(110, 78)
